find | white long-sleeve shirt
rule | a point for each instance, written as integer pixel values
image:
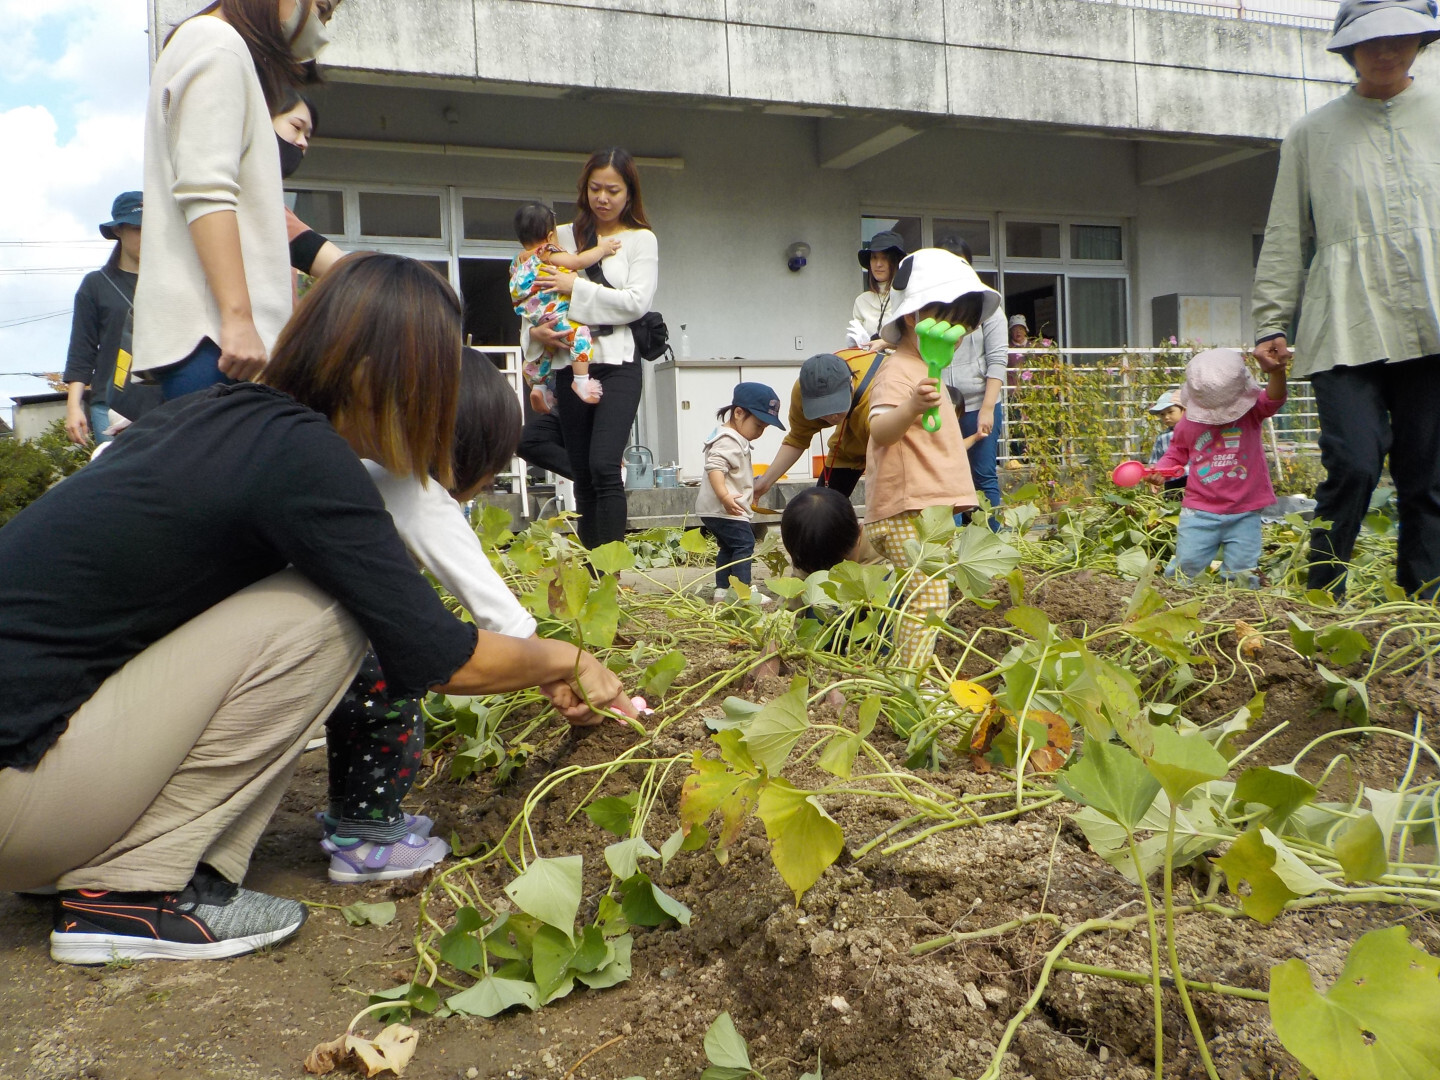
(209, 146)
(634, 270)
(439, 538)
(980, 355)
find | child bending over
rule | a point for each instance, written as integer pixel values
(1229, 481)
(373, 740)
(820, 529)
(909, 468)
(723, 505)
(532, 291)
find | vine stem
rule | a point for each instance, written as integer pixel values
(930, 946)
(1154, 956)
(1139, 978)
(1174, 951)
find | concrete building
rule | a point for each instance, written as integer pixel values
(1095, 155)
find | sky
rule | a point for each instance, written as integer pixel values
(72, 104)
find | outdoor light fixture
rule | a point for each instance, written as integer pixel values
(797, 255)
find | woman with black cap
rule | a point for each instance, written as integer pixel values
(878, 258)
(1356, 219)
(102, 309)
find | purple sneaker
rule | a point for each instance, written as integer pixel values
(365, 860)
(418, 824)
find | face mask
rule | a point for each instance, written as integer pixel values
(290, 157)
(314, 36)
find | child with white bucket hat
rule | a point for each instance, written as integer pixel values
(1229, 479)
(909, 468)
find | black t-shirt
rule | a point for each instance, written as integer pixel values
(202, 497)
(102, 304)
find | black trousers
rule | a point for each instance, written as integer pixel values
(843, 480)
(542, 444)
(595, 438)
(737, 544)
(1365, 413)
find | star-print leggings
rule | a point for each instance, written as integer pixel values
(373, 743)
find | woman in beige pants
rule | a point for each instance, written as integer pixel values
(157, 688)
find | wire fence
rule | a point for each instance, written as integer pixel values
(1073, 407)
(1312, 14)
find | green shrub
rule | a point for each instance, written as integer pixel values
(28, 469)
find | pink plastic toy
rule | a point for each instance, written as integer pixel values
(1129, 473)
(640, 706)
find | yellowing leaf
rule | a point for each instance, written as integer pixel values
(804, 839)
(1252, 644)
(971, 696)
(391, 1050)
(1361, 851)
(1251, 861)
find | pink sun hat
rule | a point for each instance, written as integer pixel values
(1218, 388)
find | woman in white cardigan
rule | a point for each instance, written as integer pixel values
(215, 288)
(596, 435)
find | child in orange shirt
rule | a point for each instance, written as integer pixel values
(907, 467)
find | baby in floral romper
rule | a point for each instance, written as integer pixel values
(533, 292)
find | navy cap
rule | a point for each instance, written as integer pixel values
(759, 401)
(125, 210)
(888, 241)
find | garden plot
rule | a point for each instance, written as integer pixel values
(870, 880)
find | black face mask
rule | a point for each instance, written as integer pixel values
(291, 157)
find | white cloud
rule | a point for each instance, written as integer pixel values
(72, 125)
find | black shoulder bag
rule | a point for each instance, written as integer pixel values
(652, 336)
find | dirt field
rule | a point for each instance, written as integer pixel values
(831, 977)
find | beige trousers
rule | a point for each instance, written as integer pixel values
(183, 754)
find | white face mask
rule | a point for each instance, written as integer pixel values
(313, 37)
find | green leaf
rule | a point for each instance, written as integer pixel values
(623, 858)
(1251, 861)
(787, 588)
(1378, 1020)
(646, 904)
(461, 950)
(1302, 636)
(614, 813)
(694, 542)
(616, 971)
(1180, 762)
(609, 918)
(804, 839)
(858, 583)
(1031, 620)
(775, 729)
(1279, 788)
(492, 995)
(599, 618)
(552, 956)
(738, 713)
(1110, 779)
(408, 996)
(1341, 645)
(725, 1046)
(659, 676)
(1132, 562)
(550, 890)
(1166, 631)
(613, 557)
(981, 556)
(1361, 851)
(838, 757)
(672, 845)
(522, 928)
(1348, 697)
(375, 914)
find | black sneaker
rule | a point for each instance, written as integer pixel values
(210, 919)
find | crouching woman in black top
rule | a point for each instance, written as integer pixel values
(158, 687)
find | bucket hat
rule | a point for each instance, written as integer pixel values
(1218, 388)
(824, 386)
(125, 210)
(932, 276)
(1366, 20)
(1018, 320)
(759, 401)
(888, 241)
(1166, 400)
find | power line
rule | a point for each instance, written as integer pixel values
(48, 243)
(34, 319)
(23, 271)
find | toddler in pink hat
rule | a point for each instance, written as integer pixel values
(1219, 439)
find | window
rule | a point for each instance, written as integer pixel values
(1097, 313)
(1098, 242)
(1032, 240)
(974, 231)
(406, 214)
(490, 219)
(323, 211)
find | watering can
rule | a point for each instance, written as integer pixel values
(1129, 473)
(639, 468)
(667, 476)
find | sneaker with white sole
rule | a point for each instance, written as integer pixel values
(365, 860)
(210, 919)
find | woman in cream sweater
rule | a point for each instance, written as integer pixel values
(215, 289)
(595, 435)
